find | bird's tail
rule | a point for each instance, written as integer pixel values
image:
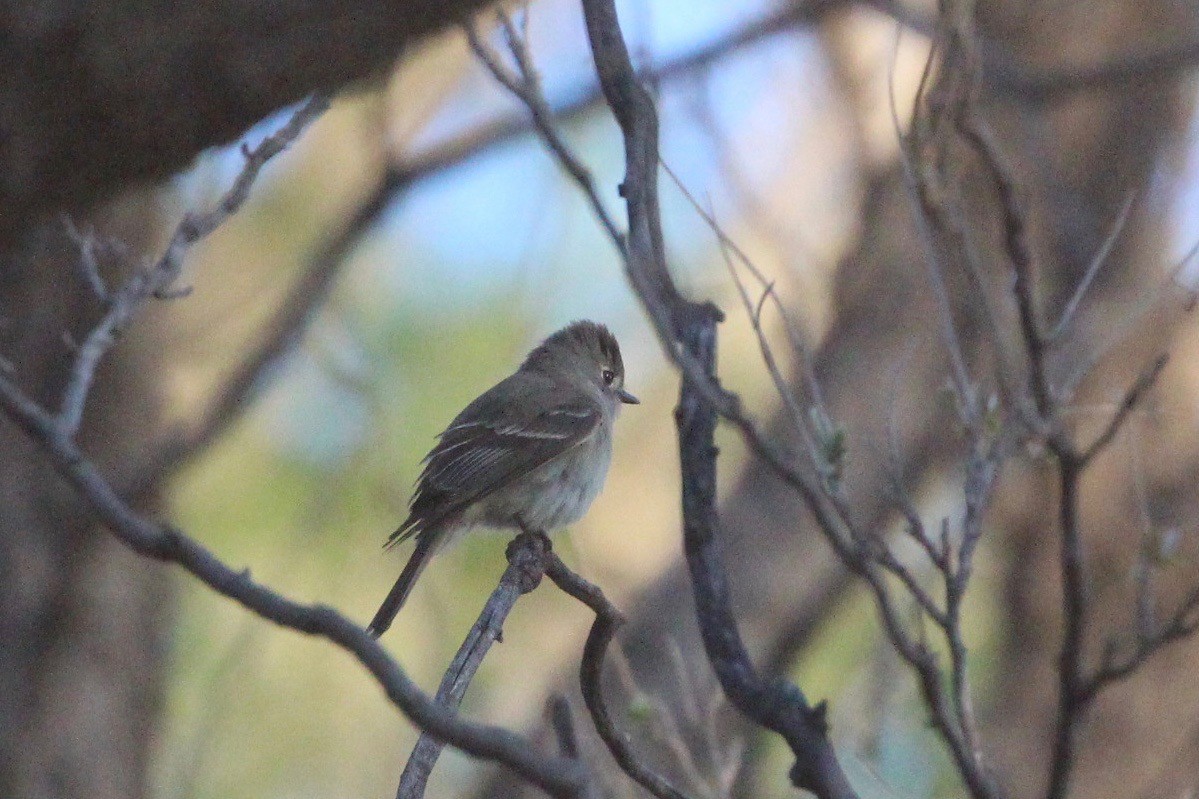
(425, 546)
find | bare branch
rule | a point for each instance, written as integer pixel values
(777, 706)
(526, 564)
(1184, 622)
(1043, 86)
(527, 88)
(607, 621)
(1132, 397)
(564, 727)
(1105, 250)
(157, 279)
(1009, 78)
(926, 139)
(1019, 248)
(729, 250)
(1075, 613)
(89, 261)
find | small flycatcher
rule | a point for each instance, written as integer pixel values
(531, 453)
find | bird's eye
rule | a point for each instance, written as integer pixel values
(608, 376)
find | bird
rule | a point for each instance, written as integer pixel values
(531, 453)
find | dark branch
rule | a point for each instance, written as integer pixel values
(564, 727)
(1019, 250)
(777, 706)
(688, 331)
(526, 564)
(1132, 397)
(1182, 624)
(607, 621)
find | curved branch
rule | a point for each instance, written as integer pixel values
(607, 621)
(778, 706)
(530, 555)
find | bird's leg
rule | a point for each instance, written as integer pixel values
(527, 530)
(529, 554)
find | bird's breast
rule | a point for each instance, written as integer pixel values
(558, 493)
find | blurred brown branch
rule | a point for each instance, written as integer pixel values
(279, 336)
(1048, 86)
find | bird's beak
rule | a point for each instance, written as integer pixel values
(626, 397)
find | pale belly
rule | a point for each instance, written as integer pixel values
(553, 496)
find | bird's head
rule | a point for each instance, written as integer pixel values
(586, 351)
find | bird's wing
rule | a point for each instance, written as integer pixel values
(504, 434)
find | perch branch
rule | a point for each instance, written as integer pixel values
(526, 564)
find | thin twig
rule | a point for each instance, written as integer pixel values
(1183, 623)
(607, 621)
(730, 247)
(527, 88)
(1019, 249)
(1097, 262)
(89, 261)
(1076, 618)
(156, 280)
(935, 231)
(1132, 397)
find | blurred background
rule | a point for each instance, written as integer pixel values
(466, 245)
